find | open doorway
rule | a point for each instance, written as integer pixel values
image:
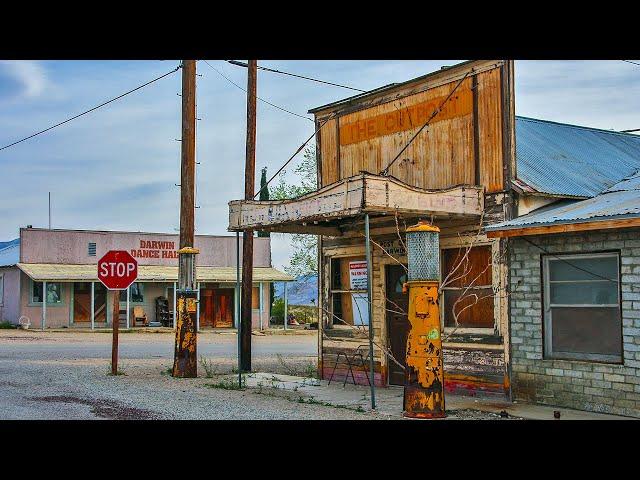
(397, 321)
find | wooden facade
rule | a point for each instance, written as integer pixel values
(470, 142)
(465, 155)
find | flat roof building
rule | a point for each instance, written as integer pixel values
(61, 265)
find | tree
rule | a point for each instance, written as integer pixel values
(304, 260)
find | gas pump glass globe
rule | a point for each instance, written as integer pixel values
(423, 252)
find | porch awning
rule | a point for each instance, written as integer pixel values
(53, 272)
(325, 210)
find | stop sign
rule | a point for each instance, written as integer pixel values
(117, 269)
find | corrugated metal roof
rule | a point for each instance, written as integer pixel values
(146, 273)
(620, 204)
(9, 252)
(561, 159)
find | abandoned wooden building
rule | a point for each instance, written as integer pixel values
(456, 174)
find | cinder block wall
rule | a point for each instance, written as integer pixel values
(593, 386)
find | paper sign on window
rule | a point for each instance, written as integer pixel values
(359, 301)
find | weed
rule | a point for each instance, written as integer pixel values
(228, 384)
(209, 368)
(309, 370)
(7, 325)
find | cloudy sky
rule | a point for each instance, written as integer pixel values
(115, 168)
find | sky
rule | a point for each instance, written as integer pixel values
(116, 168)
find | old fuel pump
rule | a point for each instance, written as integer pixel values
(424, 374)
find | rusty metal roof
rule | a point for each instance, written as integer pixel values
(146, 273)
(621, 201)
(569, 160)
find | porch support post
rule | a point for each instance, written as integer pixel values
(198, 308)
(93, 305)
(238, 323)
(128, 297)
(370, 309)
(44, 304)
(261, 304)
(175, 288)
(286, 304)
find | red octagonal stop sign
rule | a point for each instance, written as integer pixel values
(117, 269)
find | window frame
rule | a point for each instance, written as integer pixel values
(33, 303)
(131, 300)
(547, 317)
(2, 289)
(494, 267)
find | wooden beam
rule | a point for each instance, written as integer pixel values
(565, 228)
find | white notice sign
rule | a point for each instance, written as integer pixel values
(358, 281)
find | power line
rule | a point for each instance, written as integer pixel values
(629, 61)
(242, 64)
(567, 262)
(385, 171)
(261, 99)
(94, 108)
(330, 117)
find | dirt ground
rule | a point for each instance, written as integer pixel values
(65, 375)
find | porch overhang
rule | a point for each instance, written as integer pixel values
(329, 210)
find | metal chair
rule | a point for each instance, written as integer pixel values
(351, 363)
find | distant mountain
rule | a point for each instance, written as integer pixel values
(301, 291)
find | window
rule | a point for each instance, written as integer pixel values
(92, 249)
(349, 291)
(582, 318)
(136, 291)
(54, 293)
(469, 291)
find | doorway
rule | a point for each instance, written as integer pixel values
(397, 321)
(216, 307)
(82, 302)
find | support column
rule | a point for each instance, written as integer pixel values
(367, 247)
(261, 285)
(93, 305)
(175, 290)
(286, 304)
(44, 304)
(128, 297)
(237, 319)
(198, 308)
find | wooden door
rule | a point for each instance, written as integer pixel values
(223, 308)
(81, 302)
(207, 308)
(397, 322)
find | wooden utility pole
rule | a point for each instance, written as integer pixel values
(185, 356)
(247, 235)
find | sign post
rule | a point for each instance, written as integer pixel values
(117, 270)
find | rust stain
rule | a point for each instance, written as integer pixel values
(185, 359)
(424, 386)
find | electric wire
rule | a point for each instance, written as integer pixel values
(629, 61)
(385, 171)
(295, 153)
(568, 262)
(266, 69)
(94, 108)
(261, 99)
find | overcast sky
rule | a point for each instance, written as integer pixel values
(115, 168)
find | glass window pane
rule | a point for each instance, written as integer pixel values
(136, 292)
(593, 293)
(586, 330)
(54, 292)
(479, 315)
(36, 295)
(591, 268)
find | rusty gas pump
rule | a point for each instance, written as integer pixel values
(424, 374)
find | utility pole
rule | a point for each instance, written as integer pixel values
(185, 363)
(247, 235)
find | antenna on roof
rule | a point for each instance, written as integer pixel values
(49, 210)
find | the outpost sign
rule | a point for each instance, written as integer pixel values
(155, 249)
